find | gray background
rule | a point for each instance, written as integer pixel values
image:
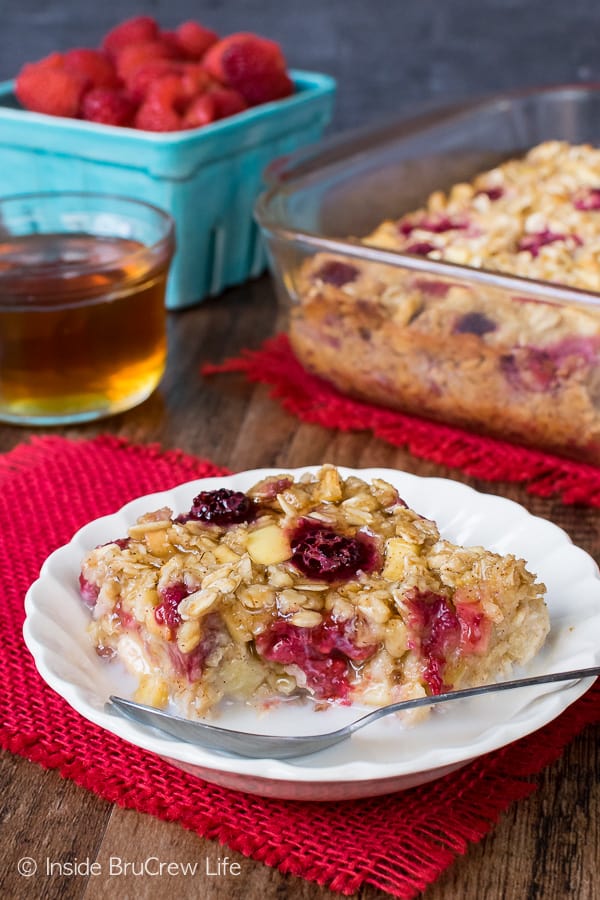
(391, 57)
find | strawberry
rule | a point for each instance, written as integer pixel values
(253, 66)
(201, 111)
(109, 106)
(132, 31)
(227, 102)
(94, 66)
(194, 40)
(47, 87)
(135, 55)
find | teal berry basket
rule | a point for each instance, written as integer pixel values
(208, 178)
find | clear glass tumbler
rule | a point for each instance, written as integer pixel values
(82, 305)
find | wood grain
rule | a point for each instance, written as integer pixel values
(544, 848)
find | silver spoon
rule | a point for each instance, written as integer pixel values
(281, 746)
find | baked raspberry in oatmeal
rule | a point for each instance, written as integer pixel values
(475, 356)
(324, 587)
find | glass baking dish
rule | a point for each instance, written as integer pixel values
(531, 373)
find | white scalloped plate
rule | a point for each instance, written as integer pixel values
(386, 756)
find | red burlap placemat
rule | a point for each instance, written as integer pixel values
(314, 400)
(399, 843)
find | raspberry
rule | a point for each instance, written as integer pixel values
(268, 489)
(263, 90)
(494, 193)
(432, 287)
(475, 627)
(326, 676)
(162, 108)
(530, 369)
(170, 40)
(108, 106)
(155, 116)
(48, 88)
(136, 55)
(421, 248)
(576, 351)
(542, 370)
(223, 507)
(201, 111)
(533, 242)
(122, 543)
(139, 82)
(168, 91)
(93, 66)
(126, 618)
(52, 61)
(337, 273)
(251, 65)
(436, 633)
(334, 637)
(195, 79)
(439, 224)
(319, 552)
(587, 199)
(167, 611)
(132, 31)
(322, 652)
(194, 40)
(89, 592)
(227, 102)
(191, 665)
(435, 224)
(406, 227)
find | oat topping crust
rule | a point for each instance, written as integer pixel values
(537, 217)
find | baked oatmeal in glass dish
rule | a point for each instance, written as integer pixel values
(324, 587)
(506, 364)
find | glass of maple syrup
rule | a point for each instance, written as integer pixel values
(82, 305)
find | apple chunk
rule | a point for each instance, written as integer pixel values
(268, 546)
(397, 558)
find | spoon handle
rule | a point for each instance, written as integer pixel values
(496, 687)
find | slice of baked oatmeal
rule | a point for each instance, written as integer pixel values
(325, 586)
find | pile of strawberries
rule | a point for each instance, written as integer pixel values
(143, 77)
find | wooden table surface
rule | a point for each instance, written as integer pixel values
(544, 848)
